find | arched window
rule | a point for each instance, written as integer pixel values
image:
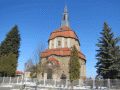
(59, 43)
(52, 45)
(66, 43)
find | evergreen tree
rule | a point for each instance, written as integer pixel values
(8, 65)
(74, 65)
(11, 42)
(107, 54)
(116, 59)
(9, 48)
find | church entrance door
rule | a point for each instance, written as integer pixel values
(49, 73)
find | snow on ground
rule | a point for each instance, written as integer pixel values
(6, 85)
(31, 86)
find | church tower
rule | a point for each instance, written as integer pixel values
(55, 59)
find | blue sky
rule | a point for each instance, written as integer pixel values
(38, 18)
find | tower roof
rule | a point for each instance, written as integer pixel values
(60, 52)
(63, 31)
(65, 18)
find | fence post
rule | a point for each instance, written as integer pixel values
(10, 80)
(44, 81)
(17, 79)
(93, 83)
(79, 82)
(66, 83)
(108, 81)
(55, 83)
(3, 79)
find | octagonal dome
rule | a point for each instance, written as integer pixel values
(63, 31)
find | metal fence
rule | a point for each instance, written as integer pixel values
(43, 84)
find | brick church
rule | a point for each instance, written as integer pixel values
(55, 59)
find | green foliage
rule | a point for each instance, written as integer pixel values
(8, 65)
(9, 52)
(107, 54)
(116, 60)
(74, 65)
(11, 42)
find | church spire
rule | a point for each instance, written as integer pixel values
(65, 18)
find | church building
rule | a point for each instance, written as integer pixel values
(55, 59)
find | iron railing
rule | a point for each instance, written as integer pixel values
(63, 84)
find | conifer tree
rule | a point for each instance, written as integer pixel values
(8, 65)
(11, 42)
(74, 65)
(107, 54)
(116, 59)
(10, 45)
